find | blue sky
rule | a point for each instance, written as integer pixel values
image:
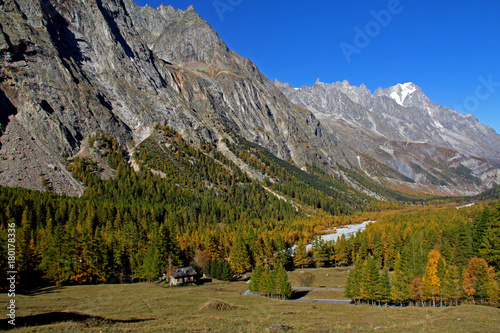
(451, 49)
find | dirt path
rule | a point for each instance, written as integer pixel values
(331, 301)
(314, 288)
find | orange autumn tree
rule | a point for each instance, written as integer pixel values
(431, 281)
(480, 282)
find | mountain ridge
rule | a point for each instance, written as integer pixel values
(401, 113)
(202, 100)
(406, 98)
(74, 69)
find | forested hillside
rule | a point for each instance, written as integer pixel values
(436, 257)
(184, 204)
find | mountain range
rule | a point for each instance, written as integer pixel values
(402, 128)
(71, 69)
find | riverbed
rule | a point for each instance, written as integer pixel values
(348, 231)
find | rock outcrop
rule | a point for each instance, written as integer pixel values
(402, 128)
(72, 68)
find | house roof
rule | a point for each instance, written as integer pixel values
(183, 272)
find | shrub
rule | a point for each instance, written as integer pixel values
(305, 279)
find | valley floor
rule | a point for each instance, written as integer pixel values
(149, 307)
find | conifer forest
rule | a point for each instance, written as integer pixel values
(182, 204)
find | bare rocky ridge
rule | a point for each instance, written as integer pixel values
(70, 69)
(74, 68)
(401, 128)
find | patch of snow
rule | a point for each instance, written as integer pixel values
(348, 231)
(395, 96)
(437, 124)
(468, 205)
(387, 150)
(406, 89)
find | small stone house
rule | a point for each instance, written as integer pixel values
(183, 275)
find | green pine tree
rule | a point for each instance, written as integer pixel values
(352, 287)
(452, 285)
(442, 273)
(263, 281)
(239, 256)
(481, 223)
(400, 282)
(255, 279)
(369, 280)
(384, 286)
(320, 252)
(341, 254)
(300, 258)
(282, 285)
(271, 287)
(152, 267)
(227, 273)
(490, 246)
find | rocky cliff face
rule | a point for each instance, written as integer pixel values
(402, 112)
(384, 125)
(73, 68)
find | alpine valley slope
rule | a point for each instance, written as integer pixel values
(70, 69)
(401, 128)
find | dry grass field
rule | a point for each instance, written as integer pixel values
(323, 277)
(219, 307)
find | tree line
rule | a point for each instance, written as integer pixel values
(189, 204)
(435, 258)
(271, 282)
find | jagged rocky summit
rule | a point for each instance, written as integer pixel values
(70, 69)
(402, 128)
(74, 68)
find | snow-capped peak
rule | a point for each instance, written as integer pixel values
(401, 91)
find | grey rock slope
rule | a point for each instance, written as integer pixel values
(383, 125)
(73, 68)
(69, 69)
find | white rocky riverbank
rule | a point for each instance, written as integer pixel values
(348, 231)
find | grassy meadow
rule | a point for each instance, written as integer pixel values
(219, 307)
(330, 277)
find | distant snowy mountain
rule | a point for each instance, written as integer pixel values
(402, 116)
(71, 69)
(401, 112)
(399, 92)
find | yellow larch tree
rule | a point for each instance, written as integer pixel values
(431, 282)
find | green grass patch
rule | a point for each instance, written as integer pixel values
(331, 277)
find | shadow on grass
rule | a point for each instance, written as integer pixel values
(57, 317)
(296, 294)
(42, 291)
(203, 281)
